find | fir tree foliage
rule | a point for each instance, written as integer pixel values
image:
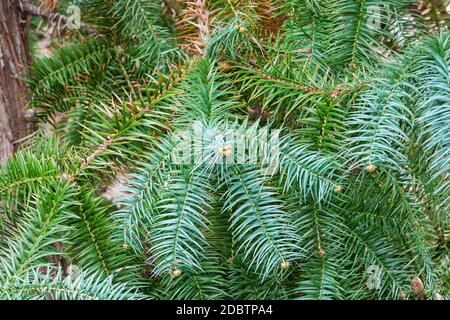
(358, 94)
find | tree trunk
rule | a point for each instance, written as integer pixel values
(14, 60)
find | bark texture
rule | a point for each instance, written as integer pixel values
(14, 60)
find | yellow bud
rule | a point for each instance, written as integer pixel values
(371, 167)
(126, 245)
(338, 189)
(175, 273)
(227, 153)
(242, 29)
(225, 150)
(322, 252)
(284, 265)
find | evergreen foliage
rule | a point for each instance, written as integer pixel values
(358, 92)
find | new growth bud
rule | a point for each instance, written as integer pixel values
(284, 265)
(371, 168)
(175, 273)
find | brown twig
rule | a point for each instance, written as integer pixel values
(51, 16)
(194, 27)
